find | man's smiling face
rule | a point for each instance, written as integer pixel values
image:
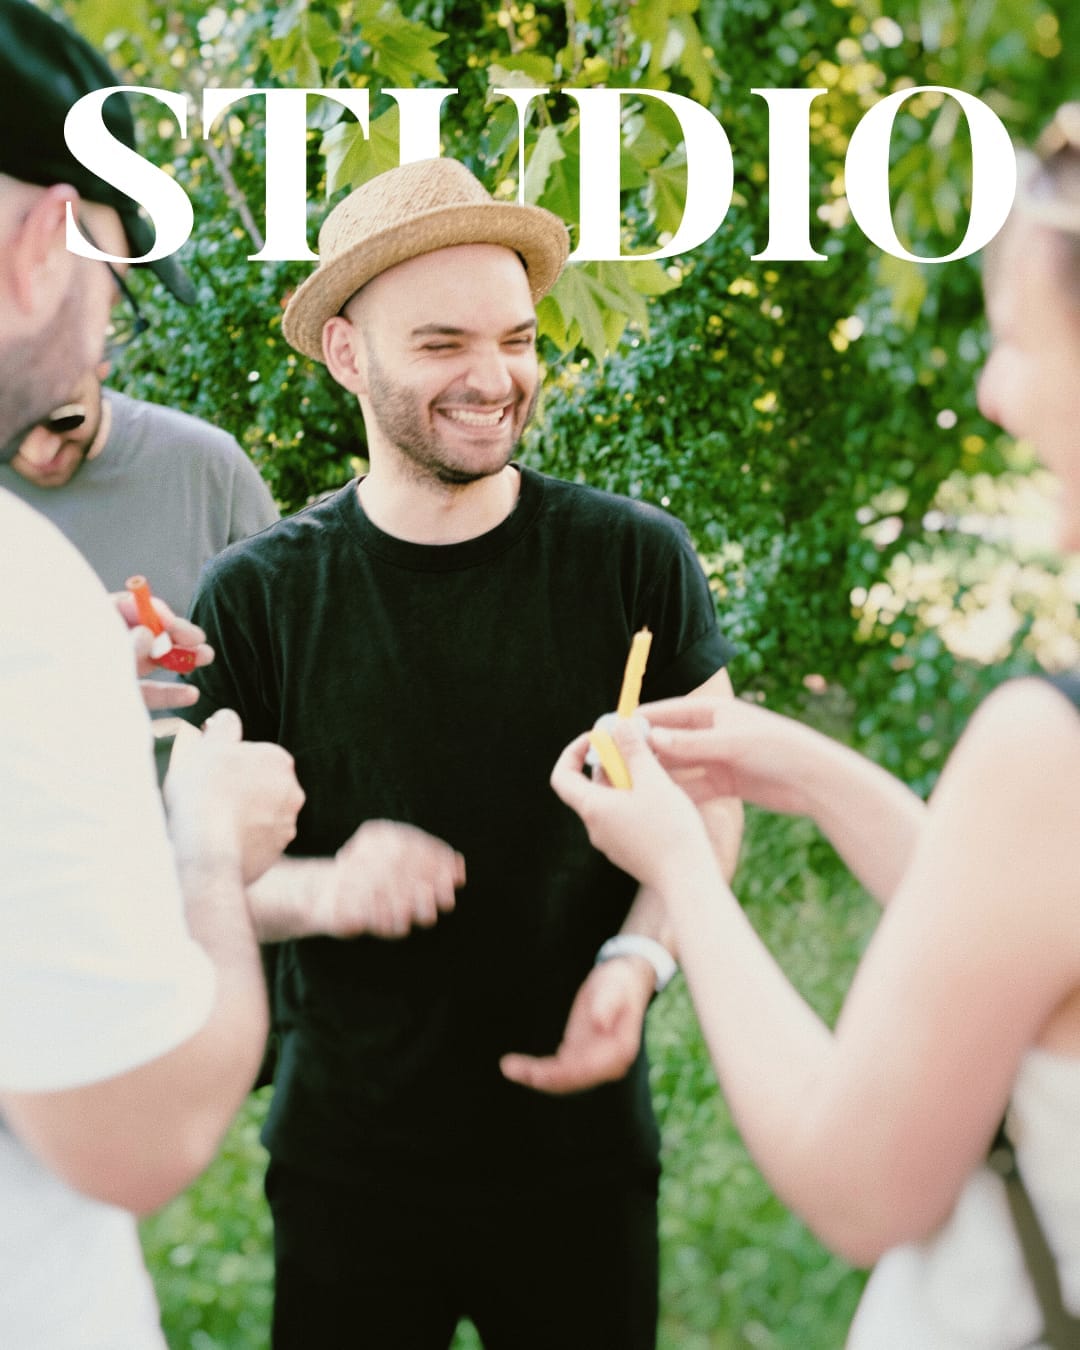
(450, 354)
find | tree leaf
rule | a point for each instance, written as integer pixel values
(287, 19)
(578, 304)
(692, 61)
(401, 50)
(599, 310)
(906, 282)
(538, 69)
(97, 19)
(667, 191)
(546, 152)
(352, 158)
(323, 40)
(561, 191)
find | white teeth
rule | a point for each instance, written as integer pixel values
(474, 419)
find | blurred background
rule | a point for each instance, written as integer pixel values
(880, 554)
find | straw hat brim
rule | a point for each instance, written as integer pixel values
(537, 235)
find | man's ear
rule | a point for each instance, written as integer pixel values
(37, 258)
(345, 354)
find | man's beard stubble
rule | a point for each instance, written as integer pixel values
(401, 421)
(39, 371)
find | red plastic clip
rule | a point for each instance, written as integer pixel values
(162, 651)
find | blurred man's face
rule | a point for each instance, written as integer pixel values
(57, 448)
(47, 348)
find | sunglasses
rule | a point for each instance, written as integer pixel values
(139, 322)
(68, 418)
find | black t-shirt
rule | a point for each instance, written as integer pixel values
(436, 685)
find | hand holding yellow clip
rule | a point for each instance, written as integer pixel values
(607, 752)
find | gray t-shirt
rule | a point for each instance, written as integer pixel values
(166, 494)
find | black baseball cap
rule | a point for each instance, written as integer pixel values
(45, 68)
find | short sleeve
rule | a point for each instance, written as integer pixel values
(98, 972)
(688, 646)
(225, 605)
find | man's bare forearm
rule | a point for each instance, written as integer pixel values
(288, 900)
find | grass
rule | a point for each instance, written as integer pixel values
(737, 1271)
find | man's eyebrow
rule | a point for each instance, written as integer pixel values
(448, 330)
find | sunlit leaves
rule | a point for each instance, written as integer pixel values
(765, 406)
(686, 50)
(301, 44)
(305, 44)
(907, 284)
(581, 308)
(352, 158)
(402, 52)
(667, 191)
(522, 69)
(546, 153)
(100, 18)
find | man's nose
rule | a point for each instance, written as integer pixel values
(489, 374)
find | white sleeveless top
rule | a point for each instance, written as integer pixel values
(966, 1287)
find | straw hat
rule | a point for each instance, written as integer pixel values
(400, 214)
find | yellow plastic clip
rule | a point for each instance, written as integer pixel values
(611, 761)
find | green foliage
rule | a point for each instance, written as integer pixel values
(228, 362)
(813, 423)
(805, 465)
(789, 413)
(210, 1251)
(801, 418)
(783, 411)
(737, 1269)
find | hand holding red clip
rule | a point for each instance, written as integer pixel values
(163, 652)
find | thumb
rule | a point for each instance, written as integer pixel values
(633, 747)
(142, 640)
(224, 726)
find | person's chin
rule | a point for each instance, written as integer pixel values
(480, 457)
(457, 473)
(56, 477)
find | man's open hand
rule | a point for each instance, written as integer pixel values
(603, 1032)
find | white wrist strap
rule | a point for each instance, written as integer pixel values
(636, 944)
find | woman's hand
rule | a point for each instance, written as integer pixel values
(731, 748)
(646, 829)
